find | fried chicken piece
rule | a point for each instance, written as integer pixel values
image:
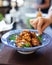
(22, 42)
(24, 32)
(18, 39)
(35, 42)
(27, 38)
(33, 35)
(25, 35)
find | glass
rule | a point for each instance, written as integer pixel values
(5, 3)
(13, 3)
(8, 19)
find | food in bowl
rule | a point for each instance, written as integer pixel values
(26, 39)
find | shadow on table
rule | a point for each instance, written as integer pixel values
(36, 58)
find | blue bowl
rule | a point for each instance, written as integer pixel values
(5, 39)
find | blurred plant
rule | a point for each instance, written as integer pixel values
(28, 23)
(1, 16)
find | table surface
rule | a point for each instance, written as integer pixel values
(43, 56)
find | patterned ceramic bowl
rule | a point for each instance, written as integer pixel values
(5, 40)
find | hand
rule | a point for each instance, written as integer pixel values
(40, 24)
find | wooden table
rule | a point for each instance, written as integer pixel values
(43, 56)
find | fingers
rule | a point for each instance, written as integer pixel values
(34, 22)
(39, 26)
(31, 21)
(46, 24)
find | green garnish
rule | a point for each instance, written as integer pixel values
(26, 45)
(40, 37)
(13, 37)
(28, 23)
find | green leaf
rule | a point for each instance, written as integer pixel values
(13, 37)
(40, 37)
(27, 45)
(28, 23)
